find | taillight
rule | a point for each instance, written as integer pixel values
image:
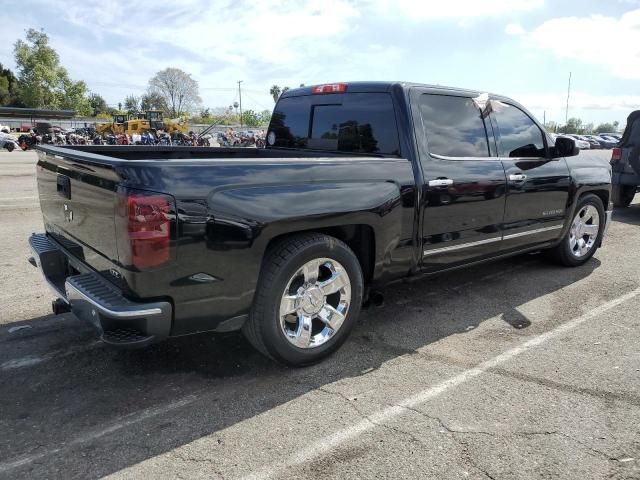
(149, 229)
(616, 155)
(329, 88)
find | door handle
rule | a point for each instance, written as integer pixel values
(517, 177)
(440, 182)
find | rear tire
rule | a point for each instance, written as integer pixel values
(622, 195)
(299, 275)
(584, 235)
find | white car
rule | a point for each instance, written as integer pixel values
(581, 144)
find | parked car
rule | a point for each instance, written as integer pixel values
(593, 143)
(608, 144)
(616, 136)
(625, 161)
(360, 185)
(580, 143)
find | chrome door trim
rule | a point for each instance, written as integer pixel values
(460, 246)
(532, 232)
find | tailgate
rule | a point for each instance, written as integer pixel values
(78, 202)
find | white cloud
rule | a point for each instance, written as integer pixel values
(610, 43)
(514, 29)
(579, 100)
(458, 9)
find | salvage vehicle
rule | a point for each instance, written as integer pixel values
(625, 161)
(8, 142)
(360, 185)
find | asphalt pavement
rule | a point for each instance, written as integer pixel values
(509, 370)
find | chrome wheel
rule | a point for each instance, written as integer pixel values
(584, 231)
(315, 303)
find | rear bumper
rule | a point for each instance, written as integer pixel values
(121, 321)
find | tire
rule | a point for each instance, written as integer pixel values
(273, 333)
(622, 195)
(572, 251)
(9, 146)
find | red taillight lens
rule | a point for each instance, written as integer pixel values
(616, 155)
(149, 230)
(329, 88)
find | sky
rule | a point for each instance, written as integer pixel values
(523, 49)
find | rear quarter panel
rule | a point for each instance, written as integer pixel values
(228, 212)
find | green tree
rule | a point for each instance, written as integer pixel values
(607, 127)
(8, 87)
(131, 103)
(98, 104)
(42, 81)
(178, 89)
(72, 96)
(153, 101)
(275, 92)
(250, 118)
(573, 126)
(265, 117)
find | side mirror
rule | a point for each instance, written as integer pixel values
(565, 147)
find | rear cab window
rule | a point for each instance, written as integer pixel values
(361, 123)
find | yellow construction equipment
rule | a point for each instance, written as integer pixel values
(114, 127)
(137, 123)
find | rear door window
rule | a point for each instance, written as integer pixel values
(351, 123)
(454, 126)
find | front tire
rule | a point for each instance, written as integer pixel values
(307, 301)
(584, 235)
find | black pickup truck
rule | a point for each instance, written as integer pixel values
(361, 184)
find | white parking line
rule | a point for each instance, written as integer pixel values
(125, 422)
(325, 445)
(35, 359)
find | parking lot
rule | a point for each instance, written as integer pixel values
(513, 369)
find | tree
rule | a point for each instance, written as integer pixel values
(8, 87)
(607, 127)
(250, 118)
(573, 126)
(42, 81)
(153, 101)
(551, 126)
(275, 91)
(179, 91)
(265, 117)
(131, 103)
(98, 104)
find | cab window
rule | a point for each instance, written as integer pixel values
(518, 135)
(454, 126)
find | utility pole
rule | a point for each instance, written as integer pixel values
(544, 118)
(240, 95)
(566, 111)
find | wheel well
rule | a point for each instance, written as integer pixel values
(602, 194)
(359, 238)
